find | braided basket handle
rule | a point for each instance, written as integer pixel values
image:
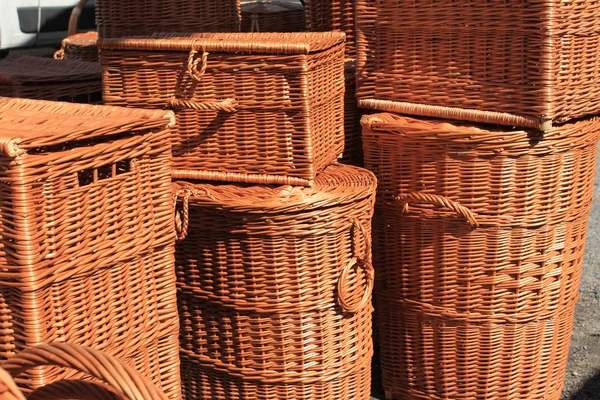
(196, 66)
(92, 362)
(227, 105)
(68, 389)
(182, 217)
(419, 197)
(8, 387)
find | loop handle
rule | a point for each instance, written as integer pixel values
(342, 294)
(82, 390)
(193, 71)
(74, 19)
(59, 54)
(227, 105)
(182, 219)
(419, 197)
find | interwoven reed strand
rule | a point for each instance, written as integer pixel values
(81, 46)
(333, 15)
(48, 79)
(251, 107)
(353, 152)
(118, 18)
(118, 381)
(87, 235)
(273, 16)
(274, 289)
(479, 237)
(462, 60)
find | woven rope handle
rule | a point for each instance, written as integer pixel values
(437, 200)
(227, 105)
(193, 71)
(182, 217)
(69, 389)
(8, 387)
(59, 54)
(92, 362)
(364, 261)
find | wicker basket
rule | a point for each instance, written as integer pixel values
(479, 240)
(121, 381)
(462, 60)
(251, 107)
(118, 18)
(353, 152)
(81, 46)
(48, 79)
(333, 15)
(274, 288)
(87, 235)
(273, 16)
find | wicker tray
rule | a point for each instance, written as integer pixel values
(333, 15)
(462, 60)
(87, 234)
(274, 288)
(116, 380)
(81, 46)
(273, 16)
(48, 79)
(479, 242)
(118, 18)
(251, 107)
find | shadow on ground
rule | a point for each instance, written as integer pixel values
(590, 389)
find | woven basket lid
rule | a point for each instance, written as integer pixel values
(337, 184)
(34, 70)
(81, 39)
(27, 124)
(483, 139)
(237, 42)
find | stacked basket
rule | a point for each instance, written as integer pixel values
(479, 229)
(274, 263)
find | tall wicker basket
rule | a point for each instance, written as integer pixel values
(526, 63)
(87, 236)
(119, 18)
(251, 107)
(478, 240)
(333, 15)
(275, 289)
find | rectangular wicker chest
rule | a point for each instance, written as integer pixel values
(86, 235)
(250, 107)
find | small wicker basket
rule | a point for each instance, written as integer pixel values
(81, 46)
(275, 288)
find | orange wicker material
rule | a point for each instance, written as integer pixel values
(48, 79)
(118, 18)
(528, 63)
(81, 46)
(121, 381)
(353, 152)
(333, 15)
(251, 107)
(479, 240)
(273, 16)
(274, 288)
(86, 228)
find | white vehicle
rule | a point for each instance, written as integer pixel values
(33, 23)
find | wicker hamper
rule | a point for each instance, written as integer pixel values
(87, 238)
(527, 63)
(479, 235)
(114, 380)
(251, 107)
(81, 46)
(333, 15)
(273, 16)
(48, 79)
(121, 18)
(274, 288)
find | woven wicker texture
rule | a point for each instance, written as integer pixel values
(48, 79)
(118, 18)
(353, 152)
(86, 227)
(251, 107)
(274, 288)
(462, 60)
(478, 240)
(81, 46)
(122, 381)
(273, 16)
(333, 15)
